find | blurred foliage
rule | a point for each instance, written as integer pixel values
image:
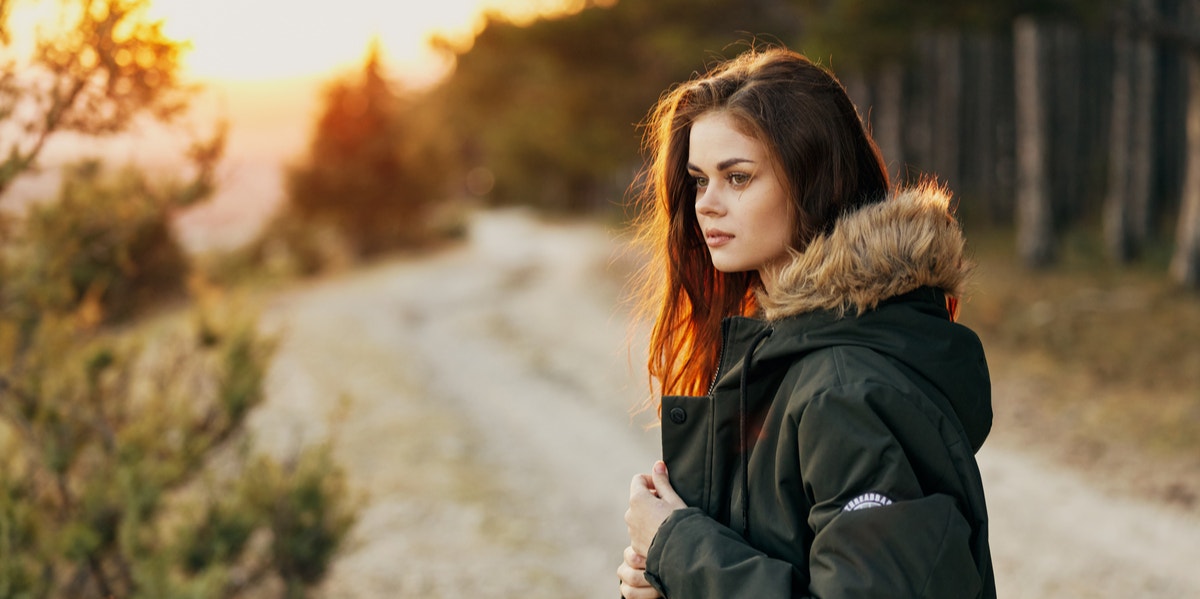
(548, 111)
(368, 184)
(308, 519)
(125, 466)
(288, 246)
(103, 66)
(868, 34)
(104, 247)
(123, 470)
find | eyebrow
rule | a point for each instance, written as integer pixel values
(724, 164)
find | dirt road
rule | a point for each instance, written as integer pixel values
(480, 399)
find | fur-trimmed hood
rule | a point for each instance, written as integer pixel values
(878, 281)
(877, 252)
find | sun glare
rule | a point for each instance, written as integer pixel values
(281, 39)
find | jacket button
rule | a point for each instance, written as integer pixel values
(678, 415)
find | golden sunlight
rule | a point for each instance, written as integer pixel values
(261, 64)
(240, 40)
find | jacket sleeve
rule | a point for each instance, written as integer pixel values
(912, 546)
(878, 534)
(693, 556)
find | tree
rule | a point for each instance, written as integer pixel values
(121, 455)
(106, 66)
(366, 175)
(552, 108)
(1127, 210)
(1185, 262)
(103, 66)
(1034, 214)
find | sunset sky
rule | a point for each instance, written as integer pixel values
(256, 40)
(262, 64)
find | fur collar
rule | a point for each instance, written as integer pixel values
(880, 251)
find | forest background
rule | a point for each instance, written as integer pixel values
(1068, 130)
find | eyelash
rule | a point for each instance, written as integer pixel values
(736, 179)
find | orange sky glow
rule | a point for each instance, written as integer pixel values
(256, 40)
(262, 64)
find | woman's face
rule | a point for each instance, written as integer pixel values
(741, 203)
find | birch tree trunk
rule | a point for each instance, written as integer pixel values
(1127, 207)
(888, 119)
(982, 160)
(947, 96)
(1185, 263)
(918, 107)
(1034, 215)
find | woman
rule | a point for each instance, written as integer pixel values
(820, 407)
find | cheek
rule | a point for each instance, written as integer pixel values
(783, 231)
(777, 221)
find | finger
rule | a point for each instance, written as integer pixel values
(634, 559)
(641, 484)
(662, 483)
(630, 592)
(633, 577)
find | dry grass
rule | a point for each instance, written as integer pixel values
(1095, 364)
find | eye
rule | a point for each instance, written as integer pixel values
(700, 182)
(739, 179)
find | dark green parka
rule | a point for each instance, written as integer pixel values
(834, 455)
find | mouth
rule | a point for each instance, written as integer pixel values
(717, 238)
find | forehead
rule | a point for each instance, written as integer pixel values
(717, 136)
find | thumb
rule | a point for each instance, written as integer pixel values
(662, 482)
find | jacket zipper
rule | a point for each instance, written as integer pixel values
(712, 386)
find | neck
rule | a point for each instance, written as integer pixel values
(769, 274)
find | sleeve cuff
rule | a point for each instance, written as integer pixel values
(657, 556)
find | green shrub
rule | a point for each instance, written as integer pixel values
(121, 452)
(126, 471)
(104, 244)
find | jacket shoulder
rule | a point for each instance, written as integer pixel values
(841, 379)
(841, 367)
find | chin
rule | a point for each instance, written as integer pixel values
(727, 268)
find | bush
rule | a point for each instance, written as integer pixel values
(105, 244)
(122, 455)
(123, 471)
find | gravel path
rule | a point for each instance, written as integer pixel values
(480, 401)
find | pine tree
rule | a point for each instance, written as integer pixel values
(363, 176)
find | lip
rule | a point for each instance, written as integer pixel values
(717, 238)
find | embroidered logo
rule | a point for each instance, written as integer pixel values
(867, 500)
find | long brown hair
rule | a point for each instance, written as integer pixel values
(802, 115)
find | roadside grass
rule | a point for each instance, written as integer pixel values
(1096, 364)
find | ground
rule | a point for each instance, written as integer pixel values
(481, 400)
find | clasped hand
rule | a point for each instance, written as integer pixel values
(651, 500)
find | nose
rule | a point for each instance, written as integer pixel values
(709, 203)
